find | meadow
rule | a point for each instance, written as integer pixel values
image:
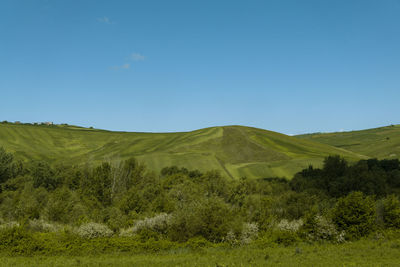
(366, 252)
(382, 142)
(235, 151)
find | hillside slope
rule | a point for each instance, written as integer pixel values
(234, 150)
(382, 142)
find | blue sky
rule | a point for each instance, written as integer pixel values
(287, 66)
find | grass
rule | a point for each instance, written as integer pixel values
(359, 253)
(381, 143)
(236, 151)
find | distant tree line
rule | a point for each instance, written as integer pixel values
(337, 178)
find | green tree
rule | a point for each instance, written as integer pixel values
(43, 176)
(63, 206)
(102, 183)
(355, 214)
(391, 212)
(210, 218)
(6, 167)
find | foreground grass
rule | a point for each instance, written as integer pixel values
(360, 253)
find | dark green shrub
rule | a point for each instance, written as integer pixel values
(355, 214)
(146, 234)
(285, 238)
(6, 160)
(211, 218)
(198, 242)
(17, 241)
(44, 176)
(391, 212)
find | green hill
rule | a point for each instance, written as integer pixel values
(234, 150)
(382, 142)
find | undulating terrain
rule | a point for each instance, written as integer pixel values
(381, 143)
(96, 211)
(236, 151)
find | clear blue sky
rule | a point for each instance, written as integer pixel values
(287, 66)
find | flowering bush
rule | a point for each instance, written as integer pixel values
(248, 233)
(318, 228)
(93, 230)
(231, 238)
(158, 223)
(6, 225)
(292, 226)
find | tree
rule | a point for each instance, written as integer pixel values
(391, 212)
(102, 183)
(6, 160)
(355, 214)
(210, 218)
(43, 175)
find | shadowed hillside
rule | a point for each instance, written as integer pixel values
(234, 150)
(382, 142)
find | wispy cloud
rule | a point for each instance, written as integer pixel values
(132, 58)
(105, 20)
(121, 67)
(136, 57)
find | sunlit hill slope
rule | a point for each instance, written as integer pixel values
(382, 142)
(236, 151)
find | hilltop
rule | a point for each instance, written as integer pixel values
(381, 142)
(236, 151)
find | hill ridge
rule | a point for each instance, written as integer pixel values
(234, 150)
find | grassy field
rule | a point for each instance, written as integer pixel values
(383, 142)
(359, 253)
(234, 150)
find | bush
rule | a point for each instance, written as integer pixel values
(319, 228)
(198, 242)
(355, 214)
(93, 230)
(292, 226)
(248, 233)
(61, 206)
(17, 241)
(42, 226)
(285, 232)
(211, 218)
(158, 223)
(7, 225)
(391, 212)
(285, 238)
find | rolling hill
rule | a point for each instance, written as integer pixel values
(234, 150)
(382, 142)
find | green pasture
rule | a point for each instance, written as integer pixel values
(382, 142)
(236, 151)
